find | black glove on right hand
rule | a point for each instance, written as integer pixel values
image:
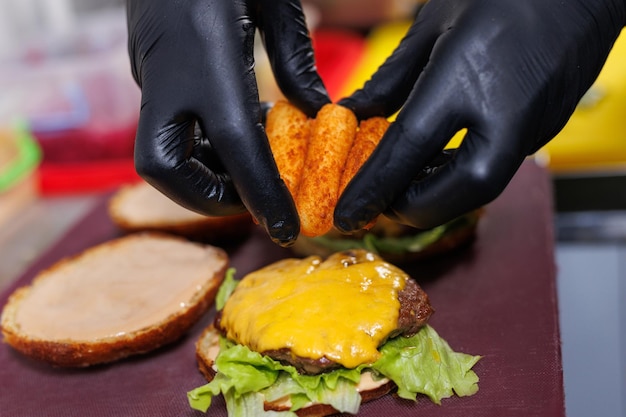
(510, 71)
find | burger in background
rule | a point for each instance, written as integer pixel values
(398, 243)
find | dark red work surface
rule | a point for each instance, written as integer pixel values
(496, 299)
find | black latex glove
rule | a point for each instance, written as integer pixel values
(193, 60)
(510, 71)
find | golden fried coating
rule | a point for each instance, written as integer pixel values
(318, 157)
(288, 130)
(367, 137)
(330, 141)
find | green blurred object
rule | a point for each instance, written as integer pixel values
(27, 157)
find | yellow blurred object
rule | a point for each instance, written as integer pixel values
(594, 139)
(380, 44)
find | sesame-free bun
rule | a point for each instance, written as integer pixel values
(141, 207)
(123, 297)
(207, 349)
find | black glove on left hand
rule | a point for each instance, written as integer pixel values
(194, 62)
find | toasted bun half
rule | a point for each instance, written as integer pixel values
(141, 207)
(124, 297)
(207, 349)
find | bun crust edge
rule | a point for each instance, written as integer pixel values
(200, 228)
(82, 353)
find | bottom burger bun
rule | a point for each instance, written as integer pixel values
(208, 347)
(314, 337)
(396, 243)
(124, 297)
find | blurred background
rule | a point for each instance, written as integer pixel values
(69, 108)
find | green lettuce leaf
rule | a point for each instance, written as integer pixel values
(226, 289)
(416, 242)
(425, 364)
(421, 364)
(242, 371)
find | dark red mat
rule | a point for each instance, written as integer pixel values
(496, 298)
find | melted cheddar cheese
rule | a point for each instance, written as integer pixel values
(341, 309)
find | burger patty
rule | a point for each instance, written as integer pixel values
(415, 310)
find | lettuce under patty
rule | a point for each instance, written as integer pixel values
(410, 243)
(421, 364)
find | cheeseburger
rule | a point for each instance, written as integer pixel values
(313, 337)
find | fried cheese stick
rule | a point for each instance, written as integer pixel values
(367, 137)
(331, 138)
(287, 129)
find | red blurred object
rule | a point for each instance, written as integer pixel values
(86, 128)
(93, 149)
(86, 177)
(337, 54)
(92, 117)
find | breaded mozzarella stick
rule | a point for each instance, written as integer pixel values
(288, 130)
(367, 137)
(332, 135)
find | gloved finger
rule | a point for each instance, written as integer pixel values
(190, 170)
(288, 44)
(204, 152)
(214, 86)
(388, 88)
(245, 154)
(477, 174)
(231, 120)
(266, 106)
(225, 104)
(167, 156)
(438, 106)
(409, 145)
